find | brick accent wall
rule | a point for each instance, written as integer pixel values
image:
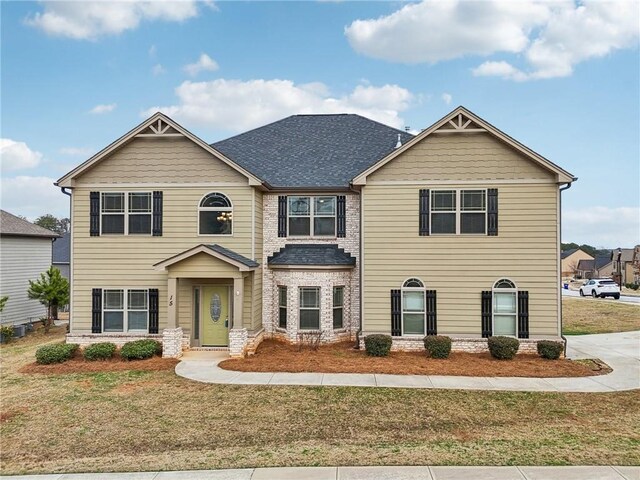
(470, 345)
(237, 342)
(172, 342)
(325, 280)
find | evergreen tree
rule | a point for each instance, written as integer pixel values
(52, 290)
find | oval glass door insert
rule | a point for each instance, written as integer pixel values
(215, 307)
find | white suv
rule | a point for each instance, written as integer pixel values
(600, 287)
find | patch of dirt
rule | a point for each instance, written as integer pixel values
(116, 364)
(274, 356)
(595, 365)
(9, 414)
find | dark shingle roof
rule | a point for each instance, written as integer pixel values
(312, 255)
(565, 253)
(16, 226)
(586, 265)
(62, 249)
(310, 151)
(601, 261)
(233, 255)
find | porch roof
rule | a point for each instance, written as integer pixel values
(217, 251)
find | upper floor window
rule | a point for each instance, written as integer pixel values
(312, 216)
(126, 214)
(215, 215)
(458, 212)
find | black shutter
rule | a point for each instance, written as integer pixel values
(492, 212)
(341, 217)
(157, 214)
(282, 216)
(424, 212)
(153, 310)
(96, 310)
(94, 214)
(487, 306)
(523, 314)
(396, 313)
(432, 319)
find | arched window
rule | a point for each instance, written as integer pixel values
(215, 215)
(505, 308)
(413, 307)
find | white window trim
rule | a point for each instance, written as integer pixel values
(215, 209)
(493, 303)
(124, 310)
(126, 213)
(318, 308)
(339, 307)
(458, 211)
(312, 215)
(422, 289)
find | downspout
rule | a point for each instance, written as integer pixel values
(64, 190)
(359, 332)
(562, 189)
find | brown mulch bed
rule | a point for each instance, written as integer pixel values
(116, 364)
(274, 356)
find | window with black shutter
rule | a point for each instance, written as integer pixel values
(282, 216)
(96, 310)
(341, 216)
(157, 214)
(396, 313)
(423, 229)
(94, 214)
(523, 314)
(432, 318)
(492, 212)
(486, 309)
(153, 310)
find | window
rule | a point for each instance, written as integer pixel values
(125, 311)
(338, 307)
(309, 308)
(215, 215)
(458, 212)
(282, 306)
(126, 214)
(413, 307)
(505, 308)
(312, 216)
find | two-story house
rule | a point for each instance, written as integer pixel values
(315, 223)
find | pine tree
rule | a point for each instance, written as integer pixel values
(52, 290)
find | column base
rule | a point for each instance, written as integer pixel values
(172, 342)
(238, 339)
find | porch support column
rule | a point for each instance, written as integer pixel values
(172, 300)
(238, 301)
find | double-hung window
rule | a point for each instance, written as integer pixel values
(505, 308)
(338, 307)
(126, 214)
(125, 310)
(309, 308)
(413, 307)
(312, 216)
(458, 212)
(282, 306)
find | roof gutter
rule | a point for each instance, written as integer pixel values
(562, 189)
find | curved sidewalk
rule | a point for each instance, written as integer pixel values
(621, 351)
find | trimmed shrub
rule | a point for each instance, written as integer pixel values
(503, 348)
(6, 333)
(139, 349)
(58, 353)
(377, 345)
(549, 349)
(437, 346)
(99, 351)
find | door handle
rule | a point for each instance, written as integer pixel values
(226, 322)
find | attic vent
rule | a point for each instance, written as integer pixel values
(399, 144)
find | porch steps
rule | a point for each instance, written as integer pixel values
(209, 349)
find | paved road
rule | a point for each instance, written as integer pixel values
(366, 473)
(623, 298)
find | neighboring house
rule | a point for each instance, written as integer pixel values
(622, 259)
(315, 223)
(62, 254)
(570, 259)
(599, 267)
(635, 265)
(586, 268)
(25, 252)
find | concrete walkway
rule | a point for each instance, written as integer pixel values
(367, 473)
(621, 351)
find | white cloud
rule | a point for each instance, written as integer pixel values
(602, 226)
(240, 105)
(18, 197)
(17, 155)
(446, 98)
(88, 20)
(551, 37)
(80, 151)
(100, 109)
(158, 70)
(204, 64)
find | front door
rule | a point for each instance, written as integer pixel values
(215, 316)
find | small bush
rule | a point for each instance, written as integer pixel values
(7, 333)
(377, 345)
(503, 348)
(58, 353)
(140, 349)
(437, 346)
(549, 349)
(632, 286)
(99, 351)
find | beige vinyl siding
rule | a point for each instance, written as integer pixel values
(468, 156)
(460, 267)
(22, 259)
(202, 265)
(171, 159)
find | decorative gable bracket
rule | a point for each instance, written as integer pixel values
(159, 128)
(460, 124)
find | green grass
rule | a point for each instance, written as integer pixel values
(589, 316)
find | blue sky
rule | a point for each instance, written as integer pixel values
(563, 78)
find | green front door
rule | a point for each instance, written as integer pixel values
(215, 316)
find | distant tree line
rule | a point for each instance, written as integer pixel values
(593, 251)
(58, 225)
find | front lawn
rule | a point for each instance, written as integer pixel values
(148, 420)
(586, 316)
